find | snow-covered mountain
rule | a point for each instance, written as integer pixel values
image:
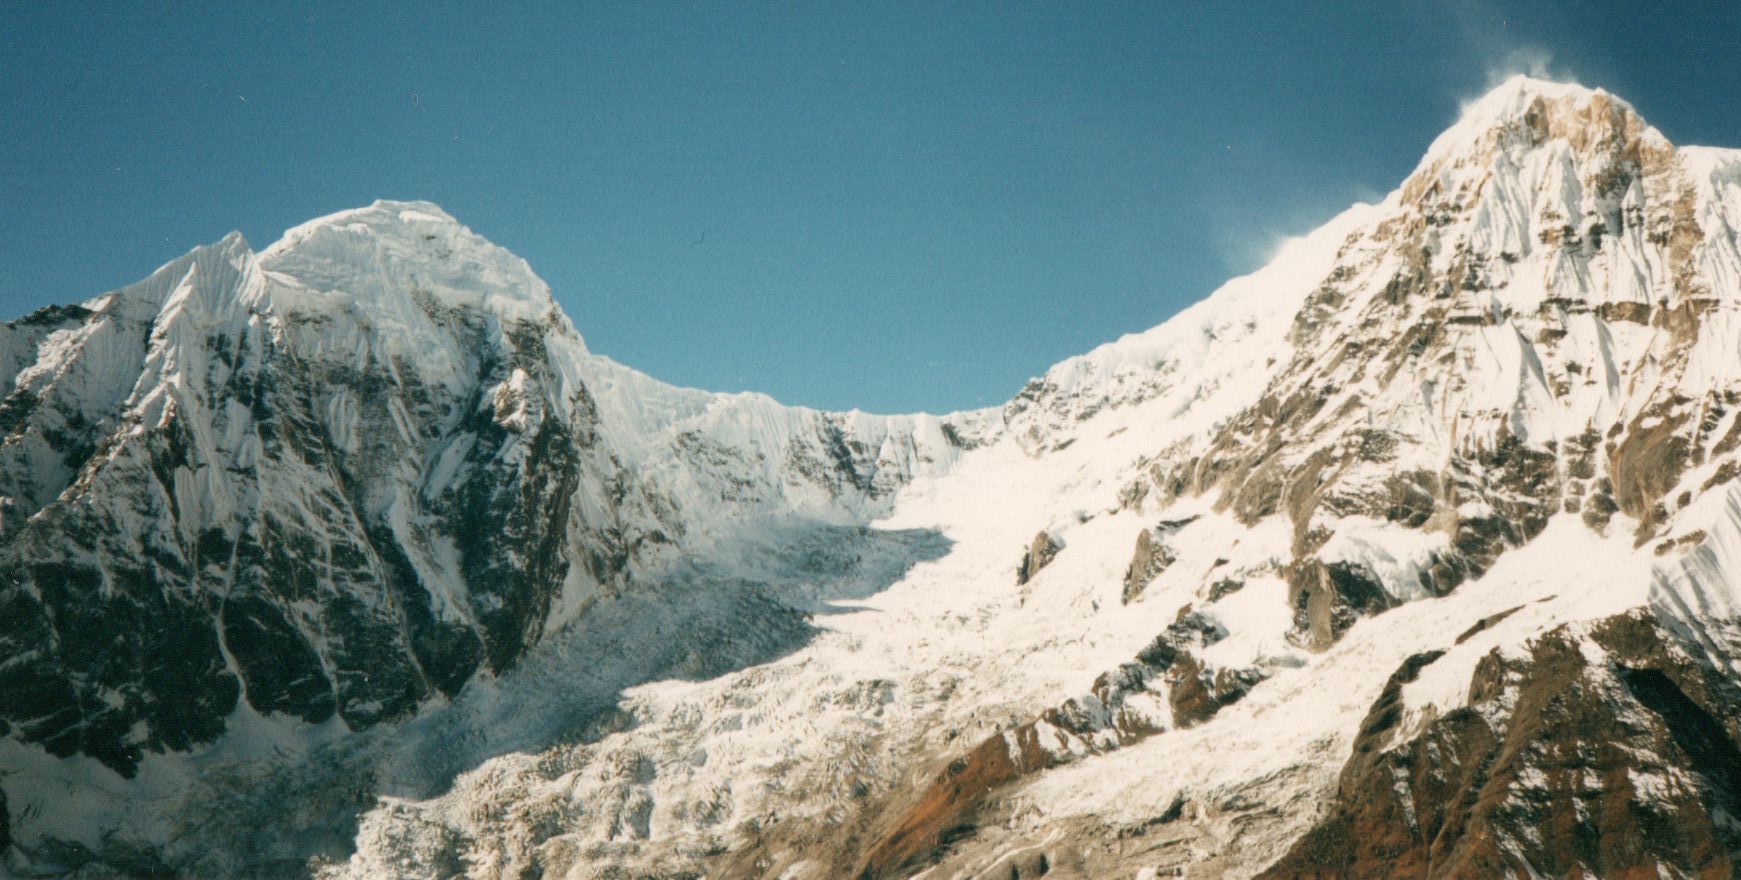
(342, 478)
(1415, 553)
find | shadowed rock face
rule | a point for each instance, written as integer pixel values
(1558, 766)
(1039, 554)
(1151, 557)
(138, 617)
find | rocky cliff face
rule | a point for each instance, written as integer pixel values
(1604, 751)
(1414, 552)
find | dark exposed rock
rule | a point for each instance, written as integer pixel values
(1192, 630)
(916, 832)
(1039, 554)
(1629, 312)
(1327, 598)
(1485, 623)
(1599, 507)
(1557, 768)
(1152, 557)
(1197, 692)
(1386, 712)
(1224, 587)
(53, 316)
(1649, 461)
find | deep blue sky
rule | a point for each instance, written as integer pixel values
(886, 206)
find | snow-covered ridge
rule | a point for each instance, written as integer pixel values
(1509, 103)
(1214, 356)
(396, 259)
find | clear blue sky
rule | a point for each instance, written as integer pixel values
(879, 205)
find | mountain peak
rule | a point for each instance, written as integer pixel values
(1524, 113)
(1516, 92)
(388, 217)
(380, 252)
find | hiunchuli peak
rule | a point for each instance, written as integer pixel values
(391, 253)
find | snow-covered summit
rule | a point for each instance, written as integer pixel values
(1518, 103)
(393, 257)
(1513, 97)
(383, 217)
(387, 215)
